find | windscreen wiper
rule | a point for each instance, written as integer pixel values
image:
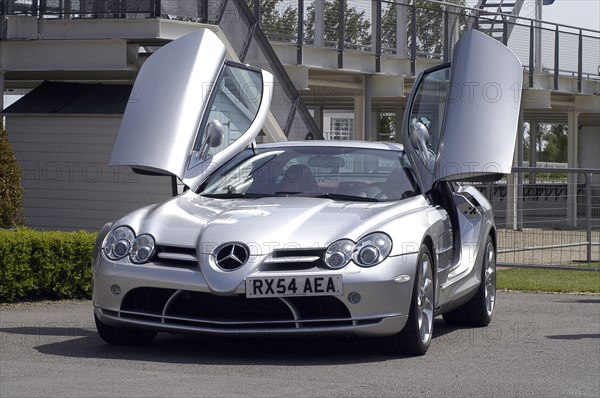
(233, 195)
(327, 195)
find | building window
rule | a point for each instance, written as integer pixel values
(341, 129)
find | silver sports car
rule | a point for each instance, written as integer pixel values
(313, 237)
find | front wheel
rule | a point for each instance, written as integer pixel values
(415, 338)
(122, 335)
(479, 310)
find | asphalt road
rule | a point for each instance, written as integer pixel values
(541, 345)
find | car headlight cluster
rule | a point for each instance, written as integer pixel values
(367, 252)
(122, 242)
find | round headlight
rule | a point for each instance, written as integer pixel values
(117, 243)
(142, 249)
(368, 255)
(121, 248)
(372, 249)
(339, 254)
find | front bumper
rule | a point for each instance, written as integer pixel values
(171, 298)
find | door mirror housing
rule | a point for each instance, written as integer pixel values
(214, 133)
(419, 139)
(214, 138)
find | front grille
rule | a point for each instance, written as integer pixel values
(173, 256)
(283, 253)
(294, 260)
(195, 305)
(279, 260)
(208, 312)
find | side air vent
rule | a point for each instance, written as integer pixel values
(176, 256)
(294, 259)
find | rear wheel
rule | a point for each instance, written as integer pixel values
(479, 310)
(415, 338)
(122, 335)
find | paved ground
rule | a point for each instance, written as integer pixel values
(540, 345)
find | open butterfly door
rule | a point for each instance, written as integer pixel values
(461, 123)
(191, 110)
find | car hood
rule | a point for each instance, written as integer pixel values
(264, 224)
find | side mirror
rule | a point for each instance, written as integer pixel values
(213, 137)
(419, 137)
(214, 133)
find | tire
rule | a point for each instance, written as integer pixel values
(480, 309)
(416, 336)
(122, 335)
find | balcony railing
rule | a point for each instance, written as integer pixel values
(409, 29)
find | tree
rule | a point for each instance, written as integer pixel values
(556, 139)
(11, 191)
(357, 29)
(430, 25)
(388, 26)
(278, 23)
(551, 143)
(387, 127)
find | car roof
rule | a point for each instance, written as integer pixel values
(389, 146)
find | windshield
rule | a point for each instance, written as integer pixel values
(353, 174)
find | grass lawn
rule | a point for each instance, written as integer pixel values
(542, 280)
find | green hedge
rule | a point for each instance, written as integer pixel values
(11, 191)
(45, 264)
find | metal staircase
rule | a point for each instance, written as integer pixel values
(241, 29)
(497, 17)
(253, 47)
(237, 26)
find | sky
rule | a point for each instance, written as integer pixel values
(578, 13)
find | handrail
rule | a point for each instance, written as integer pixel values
(533, 58)
(155, 4)
(516, 169)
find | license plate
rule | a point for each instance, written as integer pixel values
(287, 286)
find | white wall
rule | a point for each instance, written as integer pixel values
(64, 166)
(589, 149)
